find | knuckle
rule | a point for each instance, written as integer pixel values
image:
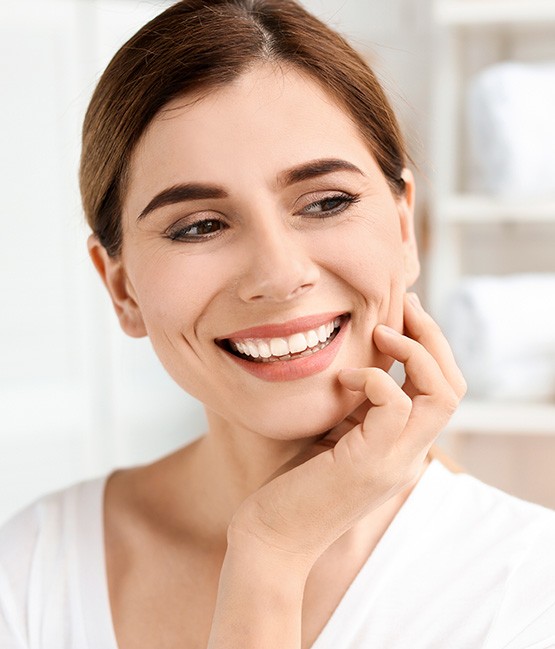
(451, 402)
(446, 400)
(380, 378)
(402, 401)
(461, 387)
(378, 374)
(394, 395)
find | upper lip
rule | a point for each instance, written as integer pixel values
(284, 329)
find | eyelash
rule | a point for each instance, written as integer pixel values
(182, 234)
(345, 201)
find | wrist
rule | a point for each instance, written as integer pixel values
(260, 596)
(275, 565)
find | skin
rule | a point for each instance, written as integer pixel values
(292, 474)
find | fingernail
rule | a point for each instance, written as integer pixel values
(388, 331)
(414, 300)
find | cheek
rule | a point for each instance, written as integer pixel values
(174, 291)
(370, 261)
(368, 255)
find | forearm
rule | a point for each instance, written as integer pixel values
(259, 602)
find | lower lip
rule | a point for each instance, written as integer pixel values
(298, 368)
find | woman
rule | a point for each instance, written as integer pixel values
(246, 185)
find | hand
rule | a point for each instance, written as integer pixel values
(372, 455)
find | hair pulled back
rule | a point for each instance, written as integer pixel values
(204, 44)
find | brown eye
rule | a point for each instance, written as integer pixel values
(197, 231)
(330, 205)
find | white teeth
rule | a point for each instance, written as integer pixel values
(312, 338)
(279, 346)
(264, 349)
(272, 349)
(297, 343)
(322, 333)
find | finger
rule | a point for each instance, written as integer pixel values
(347, 424)
(343, 427)
(357, 380)
(420, 366)
(435, 400)
(386, 419)
(422, 327)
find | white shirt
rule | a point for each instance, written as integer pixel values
(462, 566)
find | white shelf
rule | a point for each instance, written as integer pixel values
(487, 417)
(491, 12)
(476, 208)
(463, 30)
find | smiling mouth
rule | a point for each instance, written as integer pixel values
(287, 348)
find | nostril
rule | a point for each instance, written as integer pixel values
(300, 290)
(270, 281)
(274, 295)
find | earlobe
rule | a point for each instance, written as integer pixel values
(406, 215)
(112, 273)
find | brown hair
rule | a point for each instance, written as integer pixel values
(203, 44)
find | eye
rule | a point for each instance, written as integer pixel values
(330, 205)
(198, 231)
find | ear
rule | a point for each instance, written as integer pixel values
(405, 205)
(112, 272)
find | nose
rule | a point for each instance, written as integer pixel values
(279, 266)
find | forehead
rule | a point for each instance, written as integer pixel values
(268, 119)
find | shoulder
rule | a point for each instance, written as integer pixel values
(520, 532)
(45, 518)
(486, 508)
(504, 546)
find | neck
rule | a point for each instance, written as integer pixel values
(230, 463)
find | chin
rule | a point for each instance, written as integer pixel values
(301, 416)
(303, 413)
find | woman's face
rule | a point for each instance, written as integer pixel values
(259, 207)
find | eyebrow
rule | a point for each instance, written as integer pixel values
(180, 194)
(199, 191)
(315, 168)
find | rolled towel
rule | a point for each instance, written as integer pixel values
(525, 379)
(502, 331)
(511, 129)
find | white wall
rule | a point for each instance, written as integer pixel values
(76, 396)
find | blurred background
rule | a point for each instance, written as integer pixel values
(473, 82)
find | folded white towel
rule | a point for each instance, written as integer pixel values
(502, 331)
(511, 129)
(529, 379)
